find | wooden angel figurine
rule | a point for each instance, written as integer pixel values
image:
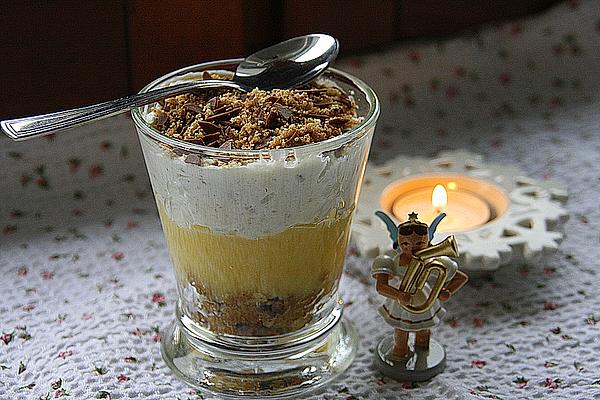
(415, 279)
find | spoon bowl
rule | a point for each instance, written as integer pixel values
(288, 64)
(285, 65)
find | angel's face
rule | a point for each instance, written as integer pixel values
(412, 243)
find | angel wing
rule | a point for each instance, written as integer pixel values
(391, 227)
(434, 224)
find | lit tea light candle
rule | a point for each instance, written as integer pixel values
(464, 210)
(468, 203)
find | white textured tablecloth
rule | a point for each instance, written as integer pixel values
(87, 287)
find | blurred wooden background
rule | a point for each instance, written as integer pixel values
(64, 53)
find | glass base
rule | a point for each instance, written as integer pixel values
(261, 367)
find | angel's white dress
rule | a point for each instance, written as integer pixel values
(392, 311)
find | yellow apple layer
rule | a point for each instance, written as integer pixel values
(264, 286)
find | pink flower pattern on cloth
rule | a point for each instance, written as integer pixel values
(87, 286)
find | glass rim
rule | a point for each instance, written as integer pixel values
(325, 145)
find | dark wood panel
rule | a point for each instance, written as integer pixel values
(61, 54)
(263, 24)
(357, 24)
(168, 35)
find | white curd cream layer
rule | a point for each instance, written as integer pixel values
(259, 198)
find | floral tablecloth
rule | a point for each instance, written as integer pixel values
(87, 287)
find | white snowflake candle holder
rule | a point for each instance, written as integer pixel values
(497, 214)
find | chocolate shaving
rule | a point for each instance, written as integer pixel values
(206, 75)
(212, 135)
(262, 146)
(193, 159)
(227, 145)
(193, 107)
(209, 127)
(345, 101)
(224, 115)
(178, 151)
(161, 119)
(195, 140)
(213, 102)
(284, 112)
(271, 119)
(220, 109)
(323, 104)
(339, 121)
(279, 114)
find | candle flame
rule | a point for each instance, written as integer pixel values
(439, 198)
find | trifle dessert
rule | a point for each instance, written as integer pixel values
(255, 193)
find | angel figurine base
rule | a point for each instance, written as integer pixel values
(420, 365)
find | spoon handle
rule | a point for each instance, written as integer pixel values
(30, 127)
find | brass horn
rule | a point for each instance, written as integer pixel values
(420, 268)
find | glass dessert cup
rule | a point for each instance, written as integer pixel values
(257, 239)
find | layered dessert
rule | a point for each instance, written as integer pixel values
(257, 238)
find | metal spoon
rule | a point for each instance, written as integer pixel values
(287, 64)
